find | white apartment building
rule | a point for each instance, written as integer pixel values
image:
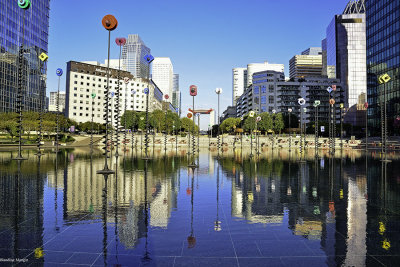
(83, 80)
(163, 75)
(257, 67)
(239, 76)
(53, 102)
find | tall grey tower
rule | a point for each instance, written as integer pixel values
(35, 40)
(346, 54)
(133, 53)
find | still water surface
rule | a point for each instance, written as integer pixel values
(270, 210)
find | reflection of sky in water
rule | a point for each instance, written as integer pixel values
(229, 208)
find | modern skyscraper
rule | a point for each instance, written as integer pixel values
(133, 53)
(35, 42)
(346, 52)
(308, 64)
(176, 94)
(383, 56)
(239, 82)
(162, 74)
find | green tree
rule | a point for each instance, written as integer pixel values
(141, 122)
(131, 119)
(266, 123)
(157, 119)
(249, 123)
(278, 123)
(230, 124)
(187, 125)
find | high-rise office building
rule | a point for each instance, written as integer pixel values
(383, 56)
(239, 82)
(346, 52)
(176, 93)
(162, 74)
(133, 53)
(308, 64)
(35, 42)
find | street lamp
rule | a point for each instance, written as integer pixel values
(218, 91)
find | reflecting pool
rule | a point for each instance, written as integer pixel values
(273, 209)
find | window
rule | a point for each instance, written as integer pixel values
(256, 90)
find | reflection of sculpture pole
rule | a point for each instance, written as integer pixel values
(109, 23)
(191, 238)
(217, 226)
(104, 219)
(366, 125)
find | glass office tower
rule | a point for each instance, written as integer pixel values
(133, 53)
(383, 56)
(34, 40)
(346, 59)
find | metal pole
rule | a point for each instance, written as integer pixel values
(385, 118)
(117, 110)
(316, 131)
(218, 127)
(106, 170)
(366, 129)
(341, 128)
(290, 136)
(198, 136)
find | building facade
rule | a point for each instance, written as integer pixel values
(162, 74)
(257, 67)
(133, 53)
(53, 102)
(239, 83)
(176, 93)
(383, 56)
(271, 92)
(301, 66)
(84, 81)
(346, 53)
(35, 41)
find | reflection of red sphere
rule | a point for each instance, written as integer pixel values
(188, 191)
(191, 241)
(366, 105)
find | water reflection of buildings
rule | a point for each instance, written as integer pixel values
(21, 212)
(83, 190)
(325, 199)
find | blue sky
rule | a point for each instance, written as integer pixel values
(205, 39)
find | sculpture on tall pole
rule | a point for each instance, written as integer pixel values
(148, 58)
(193, 93)
(218, 91)
(42, 58)
(120, 42)
(23, 4)
(110, 23)
(59, 73)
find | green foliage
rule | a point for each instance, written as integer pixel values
(87, 127)
(131, 119)
(278, 123)
(266, 123)
(230, 124)
(157, 119)
(187, 125)
(249, 123)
